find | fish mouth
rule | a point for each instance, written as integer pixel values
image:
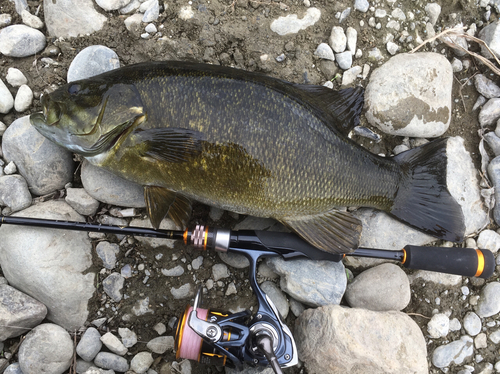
(50, 115)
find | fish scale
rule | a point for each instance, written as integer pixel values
(247, 143)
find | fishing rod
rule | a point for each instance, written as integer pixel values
(220, 338)
(467, 262)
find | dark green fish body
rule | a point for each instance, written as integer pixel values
(242, 142)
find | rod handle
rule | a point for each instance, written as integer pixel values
(467, 262)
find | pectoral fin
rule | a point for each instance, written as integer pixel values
(334, 231)
(162, 201)
(168, 144)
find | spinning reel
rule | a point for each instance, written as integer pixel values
(212, 337)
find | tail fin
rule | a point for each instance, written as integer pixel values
(423, 200)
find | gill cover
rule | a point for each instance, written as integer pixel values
(89, 116)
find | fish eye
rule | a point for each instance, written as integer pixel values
(74, 89)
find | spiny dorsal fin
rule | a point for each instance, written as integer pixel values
(168, 144)
(334, 231)
(345, 105)
(161, 201)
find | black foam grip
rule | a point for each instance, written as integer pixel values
(460, 261)
(290, 245)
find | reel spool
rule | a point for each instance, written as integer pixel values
(211, 337)
(191, 346)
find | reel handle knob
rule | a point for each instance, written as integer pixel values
(264, 343)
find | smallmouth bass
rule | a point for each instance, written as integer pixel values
(247, 143)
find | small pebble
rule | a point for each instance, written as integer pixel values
(472, 324)
(10, 168)
(15, 77)
(161, 344)
(129, 338)
(113, 344)
(141, 362)
(151, 28)
(160, 328)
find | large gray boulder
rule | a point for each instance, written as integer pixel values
(410, 95)
(45, 166)
(50, 265)
(337, 340)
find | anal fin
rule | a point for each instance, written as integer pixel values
(161, 201)
(334, 231)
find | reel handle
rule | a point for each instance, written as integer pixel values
(467, 262)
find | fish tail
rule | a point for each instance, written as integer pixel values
(423, 199)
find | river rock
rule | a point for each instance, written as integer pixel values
(486, 87)
(18, 312)
(14, 192)
(489, 300)
(6, 99)
(15, 77)
(344, 60)
(81, 201)
(338, 39)
(453, 353)
(141, 362)
(433, 11)
(107, 253)
(381, 288)
(493, 142)
(291, 24)
(24, 98)
(235, 260)
(50, 266)
(325, 52)
(31, 20)
(313, 283)
(21, 41)
(109, 5)
(69, 19)
(152, 12)
(47, 348)
(490, 112)
(113, 344)
(91, 61)
(438, 326)
(489, 239)
(334, 339)
(362, 5)
(277, 297)
(107, 360)
(494, 174)
(491, 35)
(13, 369)
(110, 189)
(410, 95)
(472, 324)
(161, 344)
(129, 338)
(448, 280)
(463, 183)
(113, 285)
(352, 39)
(45, 166)
(90, 344)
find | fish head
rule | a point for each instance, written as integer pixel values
(89, 116)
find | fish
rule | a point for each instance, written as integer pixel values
(248, 143)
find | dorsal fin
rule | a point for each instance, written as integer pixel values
(345, 105)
